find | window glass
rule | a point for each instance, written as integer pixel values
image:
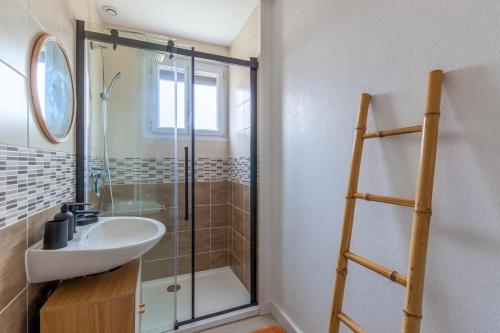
(166, 112)
(205, 101)
(209, 101)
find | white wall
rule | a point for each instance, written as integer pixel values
(21, 22)
(320, 56)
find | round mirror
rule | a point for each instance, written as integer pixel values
(52, 88)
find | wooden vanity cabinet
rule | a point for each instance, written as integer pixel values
(104, 303)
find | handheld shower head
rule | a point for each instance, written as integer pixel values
(113, 81)
(107, 90)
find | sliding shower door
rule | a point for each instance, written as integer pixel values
(140, 164)
(167, 148)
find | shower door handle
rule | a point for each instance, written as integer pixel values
(186, 183)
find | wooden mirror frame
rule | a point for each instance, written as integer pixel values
(35, 98)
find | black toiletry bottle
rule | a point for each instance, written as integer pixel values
(65, 214)
(55, 234)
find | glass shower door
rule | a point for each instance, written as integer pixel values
(185, 236)
(136, 161)
(167, 153)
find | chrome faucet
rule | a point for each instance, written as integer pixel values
(98, 174)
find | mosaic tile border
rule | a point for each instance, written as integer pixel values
(134, 170)
(32, 180)
(239, 169)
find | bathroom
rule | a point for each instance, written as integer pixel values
(116, 141)
(182, 166)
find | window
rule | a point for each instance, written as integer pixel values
(205, 101)
(171, 108)
(167, 96)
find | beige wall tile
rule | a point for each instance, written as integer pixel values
(230, 193)
(202, 240)
(165, 216)
(238, 221)
(220, 215)
(156, 195)
(185, 242)
(247, 198)
(238, 195)
(14, 107)
(45, 12)
(247, 226)
(202, 261)
(202, 193)
(13, 318)
(219, 259)
(247, 265)
(14, 35)
(13, 244)
(237, 267)
(184, 264)
(162, 250)
(203, 217)
(238, 247)
(157, 269)
(219, 238)
(219, 192)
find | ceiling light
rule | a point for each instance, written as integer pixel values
(109, 10)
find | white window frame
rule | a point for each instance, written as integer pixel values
(152, 71)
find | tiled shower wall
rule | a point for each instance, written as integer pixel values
(239, 238)
(145, 187)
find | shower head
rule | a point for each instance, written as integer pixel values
(113, 81)
(107, 91)
(94, 46)
(151, 55)
(146, 54)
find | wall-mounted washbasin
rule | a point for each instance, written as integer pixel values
(109, 243)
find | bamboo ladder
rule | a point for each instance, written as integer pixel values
(414, 282)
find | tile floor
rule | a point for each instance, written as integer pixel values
(245, 325)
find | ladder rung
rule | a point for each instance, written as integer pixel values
(350, 323)
(386, 272)
(391, 132)
(385, 199)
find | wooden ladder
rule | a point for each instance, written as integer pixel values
(414, 281)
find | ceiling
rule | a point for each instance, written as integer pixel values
(211, 21)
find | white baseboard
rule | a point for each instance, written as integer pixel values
(281, 317)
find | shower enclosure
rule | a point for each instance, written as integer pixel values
(154, 140)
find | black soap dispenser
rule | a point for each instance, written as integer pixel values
(65, 214)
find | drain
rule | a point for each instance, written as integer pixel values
(173, 287)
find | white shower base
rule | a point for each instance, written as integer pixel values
(215, 290)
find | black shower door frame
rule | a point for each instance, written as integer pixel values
(82, 147)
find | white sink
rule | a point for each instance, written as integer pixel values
(109, 243)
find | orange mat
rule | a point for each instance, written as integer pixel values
(274, 329)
